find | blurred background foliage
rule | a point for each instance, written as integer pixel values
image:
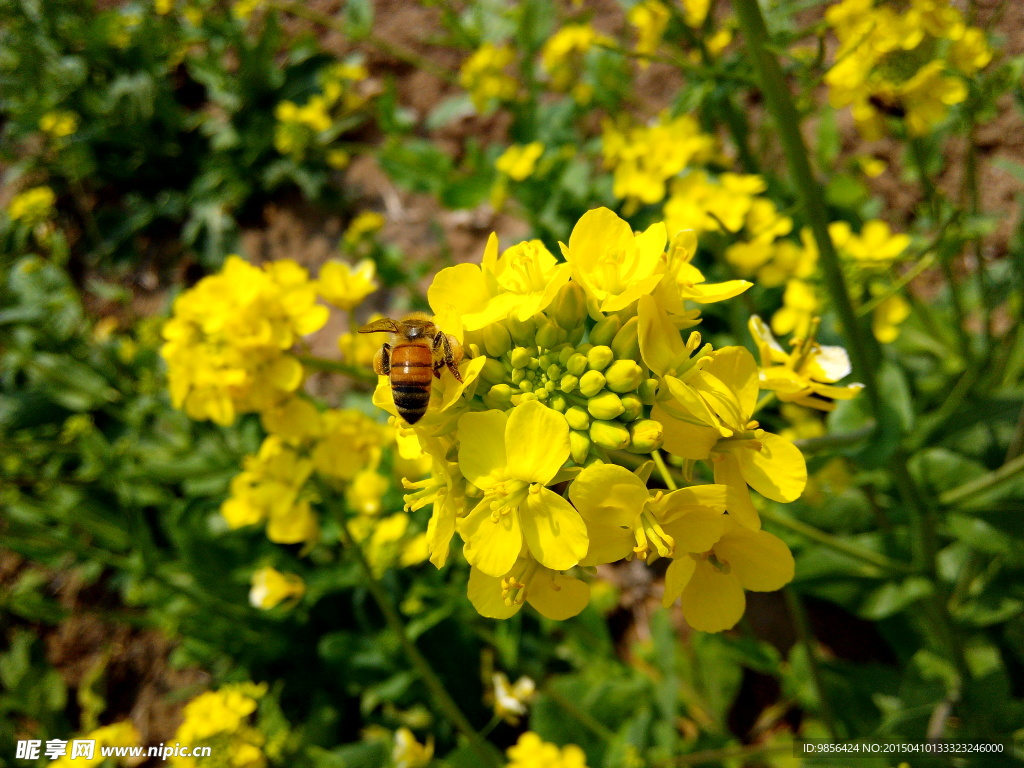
(143, 142)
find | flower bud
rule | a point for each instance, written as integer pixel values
(522, 331)
(541, 393)
(520, 357)
(626, 343)
(591, 383)
(605, 331)
(605, 405)
(624, 376)
(568, 383)
(518, 376)
(569, 308)
(584, 348)
(550, 335)
(576, 334)
(577, 418)
(609, 434)
(579, 445)
(599, 358)
(564, 354)
(526, 385)
(648, 391)
(645, 436)
(502, 393)
(634, 408)
(497, 340)
(493, 371)
(523, 398)
(543, 362)
(576, 364)
(553, 372)
(550, 386)
(558, 402)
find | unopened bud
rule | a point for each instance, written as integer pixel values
(520, 357)
(624, 376)
(523, 398)
(648, 391)
(626, 343)
(569, 308)
(576, 364)
(522, 331)
(550, 335)
(541, 393)
(518, 376)
(605, 405)
(526, 385)
(577, 417)
(497, 340)
(564, 354)
(493, 371)
(554, 372)
(558, 402)
(599, 358)
(502, 393)
(591, 383)
(609, 434)
(579, 445)
(633, 408)
(568, 383)
(576, 334)
(605, 330)
(645, 436)
(543, 362)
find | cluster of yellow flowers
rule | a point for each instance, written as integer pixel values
(315, 125)
(122, 734)
(32, 207)
(571, 370)
(484, 75)
(906, 61)
(530, 751)
(221, 720)
(563, 57)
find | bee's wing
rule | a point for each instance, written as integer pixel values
(385, 324)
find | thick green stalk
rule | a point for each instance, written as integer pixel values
(426, 673)
(803, 630)
(996, 477)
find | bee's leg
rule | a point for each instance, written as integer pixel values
(382, 360)
(444, 356)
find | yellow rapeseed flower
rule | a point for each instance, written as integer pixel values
(532, 752)
(59, 124)
(346, 287)
(270, 588)
(409, 753)
(33, 206)
(518, 161)
(650, 18)
(483, 75)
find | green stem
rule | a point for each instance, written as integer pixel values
(829, 443)
(807, 639)
(1008, 471)
(585, 719)
(434, 684)
(832, 542)
(659, 462)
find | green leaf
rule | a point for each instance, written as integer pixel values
(894, 597)
(358, 19)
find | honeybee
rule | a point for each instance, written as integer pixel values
(421, 349)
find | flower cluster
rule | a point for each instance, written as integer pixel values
(316, 125)
(33, 206)
(907, 62)
(227, 345)
(484, 75)
(530, 751)
(575, 371)
(221, 720)
(563, 57)
(121, 734)
(270, 588)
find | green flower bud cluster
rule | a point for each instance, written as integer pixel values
(600, 385)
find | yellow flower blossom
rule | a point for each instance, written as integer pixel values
(511, 457)
(346, 287)
(221, 719)
(562, 57)
(365, 493)
(551, 593)
(270, 588)
(624, 519)
(518, 161)
(614, 266)
(409, 753)
(226, 346)
(351, 442)
(887, 317)
(531, 752)
(122, 734)
(650, 18)
(362, 226)
(521, 282)
(806, 374)
(33, 206)
(510, 701)
(483, 75)
(59, 124)
(695, 11)
(800, 305)
(684, 282)
(712, 584)
(697, 202)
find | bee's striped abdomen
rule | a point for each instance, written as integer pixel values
(411, 373)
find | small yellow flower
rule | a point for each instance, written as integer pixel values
(346, 287)
(362, 226)
(799, 305)
(221, 719)
(33, 206)
(270, 588)
(650, 18)
(510, 701)
(551, 593)
(563, 54)
(409, 753)
(59, 124)
(887, 317)
(531, 752)
(483, 75)
(518, 161)
(122, 734)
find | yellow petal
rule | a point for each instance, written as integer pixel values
(688, 441)
(661, 347)
(736, 368)
(777, 471)
(557, 596)
(828, 364)
(492, 546)
(482, 447)
(708, 293)
(463, 287)
(727, 472)
(609, 495)
(555, 533)
(678, 575)
(485, 595)
(713, 601)
(536, 442)
(762, 562)
(696, 530)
